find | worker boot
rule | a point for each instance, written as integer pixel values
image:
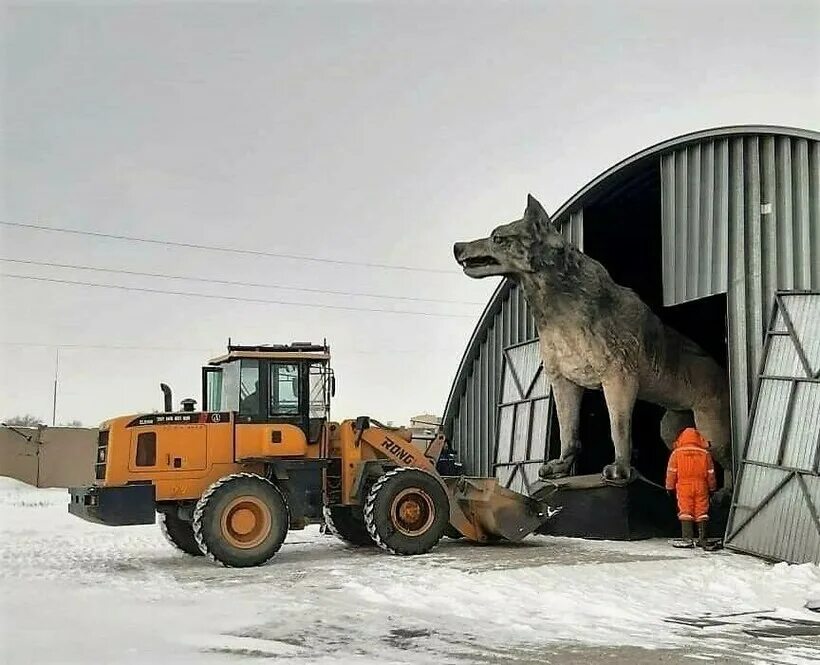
(687, 530)
(702, 534)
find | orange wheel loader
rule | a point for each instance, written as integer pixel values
(263, 457)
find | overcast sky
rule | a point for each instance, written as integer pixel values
(365, 132)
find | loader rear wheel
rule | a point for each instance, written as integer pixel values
(179, 533)
(241, 520)
(343, 523)
(407, 511)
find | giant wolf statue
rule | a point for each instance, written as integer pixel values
(596, 334)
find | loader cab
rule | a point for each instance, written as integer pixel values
(284, 384)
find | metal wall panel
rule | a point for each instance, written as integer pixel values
(694, 214)
(801, 441)
(781, 249)
(753, 199)
(523, 416)
(472, 426)
(740, 216)
(776, 507)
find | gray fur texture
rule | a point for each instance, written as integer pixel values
(595, 334)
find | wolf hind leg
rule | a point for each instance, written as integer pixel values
(567, 396)
(673, 423)
(713, 422)
(620, 394)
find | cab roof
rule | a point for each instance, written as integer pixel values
(294, 351)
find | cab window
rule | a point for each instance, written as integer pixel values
(284, 389)
(249, 401)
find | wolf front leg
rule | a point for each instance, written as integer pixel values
(567, 396)
(620, 394)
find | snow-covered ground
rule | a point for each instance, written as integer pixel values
(73, 592)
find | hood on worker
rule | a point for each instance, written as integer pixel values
(691, 437)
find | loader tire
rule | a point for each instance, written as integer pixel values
(407, 511)
(179, 533)
(241, 520)
(343, 523)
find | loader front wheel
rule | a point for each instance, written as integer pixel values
(407, 511)
(241, 520)
(343, 523)
(179, 533)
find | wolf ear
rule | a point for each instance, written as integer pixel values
(536, 214)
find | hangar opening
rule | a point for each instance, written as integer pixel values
(623, 230)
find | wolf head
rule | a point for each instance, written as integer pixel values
(528, 245)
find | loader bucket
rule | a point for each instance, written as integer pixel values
(482, 510)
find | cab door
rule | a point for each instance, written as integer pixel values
(271, 417)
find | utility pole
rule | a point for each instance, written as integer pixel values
(56, 375)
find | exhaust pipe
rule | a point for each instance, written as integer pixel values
(168, 405)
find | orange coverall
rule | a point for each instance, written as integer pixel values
(691, 473)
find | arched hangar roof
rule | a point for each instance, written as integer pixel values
(597, 188)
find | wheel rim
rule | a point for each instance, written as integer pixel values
(412, 511)
(246, 522)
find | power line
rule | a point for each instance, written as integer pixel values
(107, 347)
(233, 298)
(198, 350)
(228, 282)
(229, 250)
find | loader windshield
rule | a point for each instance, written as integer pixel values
(236, 387)
(230, 386)
(212, 388)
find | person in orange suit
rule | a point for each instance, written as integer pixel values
(691, 475)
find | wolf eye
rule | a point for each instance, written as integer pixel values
(498, 240)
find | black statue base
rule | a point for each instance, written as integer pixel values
(591, 508)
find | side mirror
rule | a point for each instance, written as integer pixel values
(333, 385)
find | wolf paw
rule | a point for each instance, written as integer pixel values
(617, 473)
(557, 468)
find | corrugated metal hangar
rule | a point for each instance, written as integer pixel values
(707, 228)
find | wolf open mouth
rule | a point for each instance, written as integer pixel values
(479, 262)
